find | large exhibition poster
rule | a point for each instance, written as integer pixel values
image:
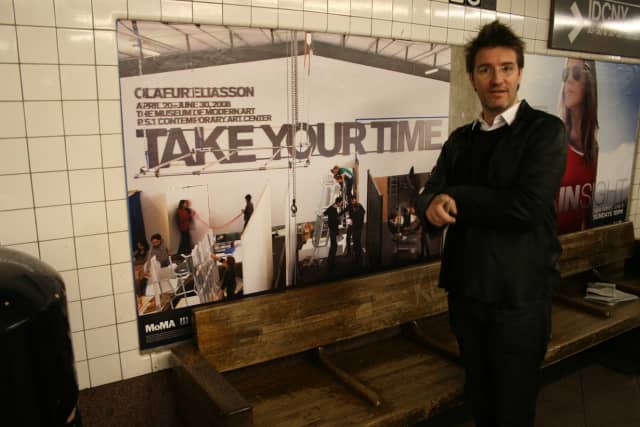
(599, 103)
(262, 159)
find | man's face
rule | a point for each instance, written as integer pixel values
(495, 78)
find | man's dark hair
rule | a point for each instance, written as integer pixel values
(247, 197)
(494, 34)
(156, 237)
(338, 200)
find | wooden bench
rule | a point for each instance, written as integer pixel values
(372, 351)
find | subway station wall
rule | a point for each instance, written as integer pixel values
(62, 179)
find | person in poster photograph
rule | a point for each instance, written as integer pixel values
(578, 109)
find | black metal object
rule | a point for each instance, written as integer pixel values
(38, 384)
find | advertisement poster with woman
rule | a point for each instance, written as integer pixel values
(598, 102)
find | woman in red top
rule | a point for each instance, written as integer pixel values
(184, 218)
(579, 111)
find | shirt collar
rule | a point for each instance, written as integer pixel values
(505, 118)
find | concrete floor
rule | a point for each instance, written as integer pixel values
(597, 388)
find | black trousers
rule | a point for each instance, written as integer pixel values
(502, 349)
(333, 247)
(185, 246)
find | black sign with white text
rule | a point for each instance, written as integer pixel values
(597, 26)
(480, 4)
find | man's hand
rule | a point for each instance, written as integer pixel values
(442, 210)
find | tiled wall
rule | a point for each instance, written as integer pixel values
(62, 185)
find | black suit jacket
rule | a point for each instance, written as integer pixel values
(509, 252)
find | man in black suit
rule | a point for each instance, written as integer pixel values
(333, 219)
(493, 186)
(356, 214)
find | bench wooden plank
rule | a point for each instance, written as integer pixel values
(265, 327)
(296, 391)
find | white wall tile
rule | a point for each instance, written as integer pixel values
(542, 29)
(122, 277)
(419, 32)
(207, 13)
(54, 222)
(79, 347)
(74, 13)
(78, 81)
(529, 45)
(402, 10)
(487, 16)
(105, 370)
(439, 14)
(34, 12)
(264, 17)
(110, 116)
(16, 192)
(471, 19)
(106, 50)
(128, 336)
(455, 36)
(316, 6)
(264, 3)
(76, 47)
(84, 152)
(236, 15)
(14, 157)
(177, 11)
(362, 26)
(531, 8)
(82, 370)
(47, 154)
(89, 218)
(44, 118)
(517, 25)
(503, 5)
(438, 34)
(401, 30)
(71, 284)
(125, 307)
(517, 7)
(421, 12)
(98, 312)
(544, 9)
(105, 12)
(17, 226)
(86, 186)
(60, 254)
(10, 82)
(81, 117)
(530, 25)
(27, 248)
(114, 184)
(11, 120)
(382, 9)
(135, 364)
(290, 4)
(503, 17)
(6, 12)
(362, 8)
(338, 24)
(8, 44)
(50, 188)
(37, 45)
(92, 251)
(101, 341)
(144, 9)
(75, 316)
(338, 7)
(290, 19)
(108, 82)
(314, 21)
(112, 154)
(456, 17)
(120, 247)
(40, 82)
(161, 360)
(238, 2)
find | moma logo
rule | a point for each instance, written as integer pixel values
(159, 326)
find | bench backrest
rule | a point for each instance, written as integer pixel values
(265, 327)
